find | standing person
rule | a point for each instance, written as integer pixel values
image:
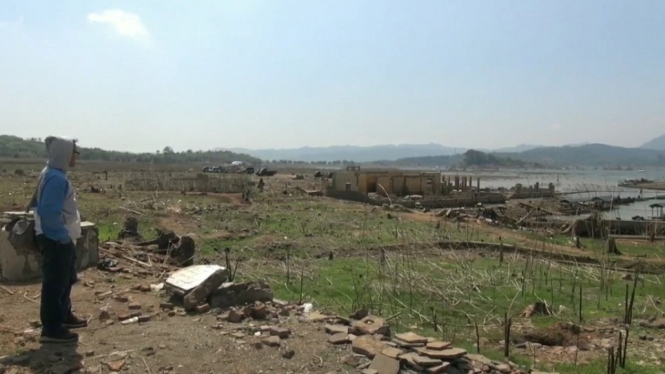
(57, 226)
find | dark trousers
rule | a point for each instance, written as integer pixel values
(59, 272)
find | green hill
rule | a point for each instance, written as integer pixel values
(18, 148)
(656, 143)
(591, 155)
(470, 158)
(582, 155)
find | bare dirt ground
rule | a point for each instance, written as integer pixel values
(199, 343)
(257, 230)
(189, 343)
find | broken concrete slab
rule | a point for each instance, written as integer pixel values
(403, 344)
(134, 306)
(427, 361)
(235, 316)
(252, 292)
(166, 306)
(316, 317)
(124, 316)
(445, 367)
(200, 293)
(370, 325)
(116, 366)
(384, 365)
(230, 294)
(336, 329)
(340, 338)
(367, 346)
(438, 346)
(272, 341)
(410, 360)
(411, 338)
(282, 332)
(392, 352)
(187, 279)
(445, 354)
(203, 308)
(258, 311)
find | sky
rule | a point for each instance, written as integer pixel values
(140, 75)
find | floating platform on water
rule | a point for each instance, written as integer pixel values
(655, 186)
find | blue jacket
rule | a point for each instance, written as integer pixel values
(54, 190)
(56, 213)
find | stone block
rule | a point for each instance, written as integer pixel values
(19, 265)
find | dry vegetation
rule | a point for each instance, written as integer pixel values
(418, 270)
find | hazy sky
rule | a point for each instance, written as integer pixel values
(142, 74)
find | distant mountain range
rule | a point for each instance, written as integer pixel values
(517, 148)
(650, 154)
(366, 154)
(371, 153)
(591, 155)
(583, 155)
(13, 147)
(351, 153)
(657, 143)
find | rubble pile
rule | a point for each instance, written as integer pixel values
(480, 214)
(130, 229)
(370, 337)
(135, 257)
(205, 287)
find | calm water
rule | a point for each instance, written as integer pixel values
(588, 183)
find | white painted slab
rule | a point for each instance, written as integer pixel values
(190, 277)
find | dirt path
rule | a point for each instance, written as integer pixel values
(502, 233)
(511, 236)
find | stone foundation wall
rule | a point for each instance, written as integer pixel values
(19, 265)
(468, 201)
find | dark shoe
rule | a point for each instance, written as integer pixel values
(73, 322)
(60, 336)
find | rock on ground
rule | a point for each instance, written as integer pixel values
(199, 294)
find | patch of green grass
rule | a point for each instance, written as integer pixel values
(599, 366)
(477, 287)
(596, 246)
(461, 290)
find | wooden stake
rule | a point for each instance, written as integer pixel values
(581, 319)
(477, 337)
(302, 276)
(632, 299)
(506, 335)
(625, 349)
(625, 306)
(501, 253)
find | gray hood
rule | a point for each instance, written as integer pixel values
(60, 152)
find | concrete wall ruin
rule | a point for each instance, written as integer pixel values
(20, 265)
(468, 201)
(384, 182)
